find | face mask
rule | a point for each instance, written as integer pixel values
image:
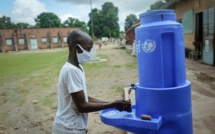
(83, 57)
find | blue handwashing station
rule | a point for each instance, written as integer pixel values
(163, 91)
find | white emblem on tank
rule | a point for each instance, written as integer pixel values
(148, 46)
(138, 47)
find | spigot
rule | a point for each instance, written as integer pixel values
(133, 87)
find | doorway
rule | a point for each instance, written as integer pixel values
(33, 43)
(198, 43)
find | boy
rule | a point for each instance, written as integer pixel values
(73, 100)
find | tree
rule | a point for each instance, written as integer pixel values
(129, 21)
(97, 22)
(5, 22)
(105, 22)
(110, 14)
(74, 22)
(22, 25)
(158, 4)
(45, 20)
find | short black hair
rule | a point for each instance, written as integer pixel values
(74, 38)
(77, 37)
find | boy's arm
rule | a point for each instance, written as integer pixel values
(91, 99)
(85, 107)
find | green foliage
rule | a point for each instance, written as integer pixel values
(129, 21)
(105, 21)
(158, 5)
(110, 14)
(5, 22)
(74, 22)
(46, 20)
(97, 21)
(167, 1)
(22, 25)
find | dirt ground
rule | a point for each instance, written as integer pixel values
(16, 119)
(202, 78)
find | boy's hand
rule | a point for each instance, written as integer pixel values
(123, 105)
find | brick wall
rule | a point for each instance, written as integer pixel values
(25, 37)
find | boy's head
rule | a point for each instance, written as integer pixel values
(80, 44)
(79, 37)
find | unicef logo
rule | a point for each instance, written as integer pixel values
(148, 46)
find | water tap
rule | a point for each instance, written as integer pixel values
(133, 87)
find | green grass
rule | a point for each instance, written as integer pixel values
(116, 66)
(14, 66)
(3, 100)
(117, 89)
(93, 68)
(131, 66)
(3, 94)
(48, 101)
(28, 76)
(34, 75)
(26, 63)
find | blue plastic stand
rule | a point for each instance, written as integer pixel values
(163, 91)
(127, 121)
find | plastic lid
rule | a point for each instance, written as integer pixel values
(154, 12)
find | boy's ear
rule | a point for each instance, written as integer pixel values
(78, 49)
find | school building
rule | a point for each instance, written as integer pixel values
(33, 38)
(198, 19)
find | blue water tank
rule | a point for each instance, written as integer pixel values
(162, 91)
(160, 50)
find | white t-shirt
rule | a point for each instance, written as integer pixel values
(68, 119)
